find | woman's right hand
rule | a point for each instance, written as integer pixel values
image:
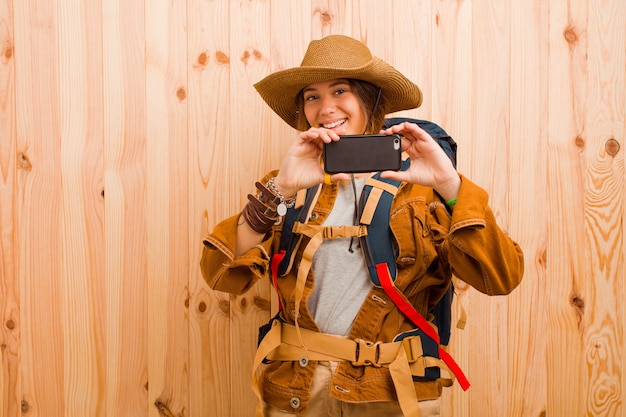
(301, 167)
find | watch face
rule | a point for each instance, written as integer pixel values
(281, 209)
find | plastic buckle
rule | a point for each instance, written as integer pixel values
(334, 232)
(407, 345)
(367, 353)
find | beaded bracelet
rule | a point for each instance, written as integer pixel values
(284, 203)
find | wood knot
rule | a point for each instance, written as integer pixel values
(224, 306)
(203, 59)
(246, 57)
(25, 407)
(181, 93)
(262, 303)
(23, 162)
(570, 36)
(257, 55)
(10, 324)
(163, 409)
(579, 142)
(8, 52)
(326, 18)
(578, 302)
(202, 307)
(579, 307)
(612, 147)
(222, 58)
(543, 258)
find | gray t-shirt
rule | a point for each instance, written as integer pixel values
(341, 278)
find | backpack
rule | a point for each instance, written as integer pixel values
(375, 204)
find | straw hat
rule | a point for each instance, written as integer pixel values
(336, 56)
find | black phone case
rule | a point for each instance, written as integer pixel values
(363, 153)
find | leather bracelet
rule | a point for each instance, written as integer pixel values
(266, 196)
(260, 217)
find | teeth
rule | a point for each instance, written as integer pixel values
(335, 124)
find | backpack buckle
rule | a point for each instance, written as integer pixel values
(367, 353)
(334, 232)
(412, 345)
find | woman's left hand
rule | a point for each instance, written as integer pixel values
(430, 166)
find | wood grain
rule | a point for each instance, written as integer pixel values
(210, 145)
(604, 121)
(124, 192)
(250, 51)
(9, 282)
(412, 49)
(167, 200)
(566, 262)
(38, 199)
(526, 318)
(81, 212)
(490, 153)
(452, 94)
(128, 130)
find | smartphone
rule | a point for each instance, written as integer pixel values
(363, 153)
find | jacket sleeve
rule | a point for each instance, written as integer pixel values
(479, 252)
(225, 272)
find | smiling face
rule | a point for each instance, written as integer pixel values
(334, 105)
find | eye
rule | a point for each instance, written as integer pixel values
(340, 91)
(310, 97)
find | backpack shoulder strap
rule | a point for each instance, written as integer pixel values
(376, 199)
(290, 241)
(441, 311)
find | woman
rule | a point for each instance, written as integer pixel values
(345, 355)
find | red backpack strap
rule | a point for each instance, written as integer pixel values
(274, 263)
(409, 311)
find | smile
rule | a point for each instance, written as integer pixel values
(334, 124)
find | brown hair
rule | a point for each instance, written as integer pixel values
(373, 103)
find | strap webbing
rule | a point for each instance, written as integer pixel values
(283, 343)
(409, 311)
(276, 259)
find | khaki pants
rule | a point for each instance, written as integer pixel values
(322, 405)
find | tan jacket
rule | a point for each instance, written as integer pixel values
(432, 245)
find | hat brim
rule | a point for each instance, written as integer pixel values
(279, 90)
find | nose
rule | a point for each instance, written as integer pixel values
(327, 105)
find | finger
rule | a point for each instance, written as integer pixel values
(403, 127)
(405, 143)
(395, 175)
(333, 135)
(339, 177)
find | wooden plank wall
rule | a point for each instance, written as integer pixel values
(128, 129)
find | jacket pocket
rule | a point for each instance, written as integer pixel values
(438, 222)
(413, 237)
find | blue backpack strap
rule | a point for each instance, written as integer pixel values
(289, 241)
(377, 246)
(442, 311)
